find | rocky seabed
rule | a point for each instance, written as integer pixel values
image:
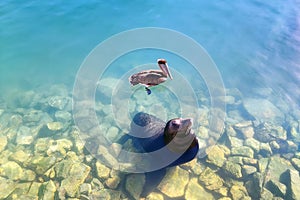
(43, 156)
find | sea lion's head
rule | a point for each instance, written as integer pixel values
(178, 134)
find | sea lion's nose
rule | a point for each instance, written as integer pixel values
(187, 121)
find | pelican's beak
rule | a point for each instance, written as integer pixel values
(162, 63)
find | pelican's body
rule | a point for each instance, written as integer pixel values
(150, 78)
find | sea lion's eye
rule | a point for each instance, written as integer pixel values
(175, 124)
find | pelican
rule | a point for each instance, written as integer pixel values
(152, 77)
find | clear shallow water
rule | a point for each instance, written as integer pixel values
(252, 43)
(255, 44)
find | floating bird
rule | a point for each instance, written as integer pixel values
(150, 78)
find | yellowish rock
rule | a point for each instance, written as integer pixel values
(134, 185)
(3, 142)
(34, 189)
(210, 179)
(238, 192)
(174, 182)
(215, 156)
(102, 170)
(11, 170)
(113, 182)
(155, 196)
(47, 190)
(195, 191)
(222, 191)
(54, 126)
(20, 157)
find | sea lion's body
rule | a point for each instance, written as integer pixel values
(152, 134)
(155, 134)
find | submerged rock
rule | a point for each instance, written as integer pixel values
(242, 151)
(3, 142)
(7, 187)
(34, 189)
(235, 142)
(265, 149)
(102, 170)
(276, 167)
(265, 112)
(62, 168)
(58, 102)
(233, 169)
(106, 157)
(293, 182)
(250, 161)
(77, 175)
(63, 116)
(195, 191)
(11, 170)
(24, 136)
(134, 185)
(28, 175)
(61, 146)
(296, 163)
(267, 132)
(20, 192)
(277, 188)
(215, 156)
(236, 159)
(20, 157)
(266, 194)
(47, 190)
(85, 188)
(155, 196)
(247, 170)
(113, 182)
(112, 133)
(42, 164)
(42, 145)
(174, 182)
(225, 198)
(54, 126)
(210, 179)
(255, 185)
(245, 129)
(4, 155)
(274, 146)
(15, 120)
(239, 192)
(34, 117)
(50, 129)
(253, 143)
(105, 194)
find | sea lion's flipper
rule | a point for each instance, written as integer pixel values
(148, 90)
(152, 181)
(124, 139)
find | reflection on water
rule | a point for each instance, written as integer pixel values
(254, 44)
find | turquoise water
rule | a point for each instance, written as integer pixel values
(254, 44)
(251, 42)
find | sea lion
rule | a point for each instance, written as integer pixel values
(151, 134)
(177, 135)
